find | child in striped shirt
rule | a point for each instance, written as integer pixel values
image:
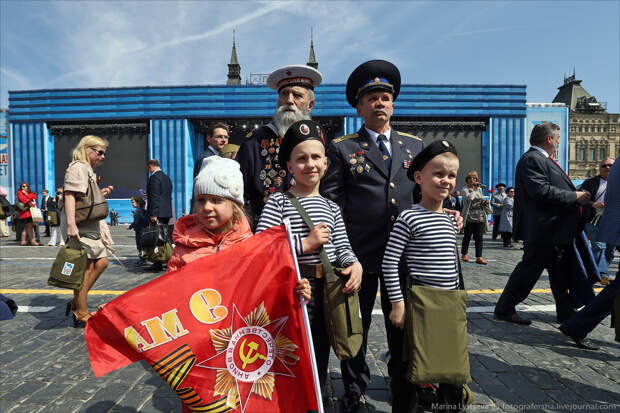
(302, 153)
(426, 236)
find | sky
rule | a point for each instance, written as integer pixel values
(84, 44)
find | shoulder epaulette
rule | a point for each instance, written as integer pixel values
(345, 137)
(410, 135)
(249, 135)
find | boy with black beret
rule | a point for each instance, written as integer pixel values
(426, 236)
(302, 154)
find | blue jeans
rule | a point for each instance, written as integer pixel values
(603, 253)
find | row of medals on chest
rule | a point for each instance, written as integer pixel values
(358, 161)
(271, 173)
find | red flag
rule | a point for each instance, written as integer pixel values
(225, 332)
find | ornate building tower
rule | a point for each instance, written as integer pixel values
(234, 69)
(312, 59)
(594, 134)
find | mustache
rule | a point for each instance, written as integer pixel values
(379, 110)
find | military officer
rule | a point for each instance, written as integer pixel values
(367, 177)
(258, 154)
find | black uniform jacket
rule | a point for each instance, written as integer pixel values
(262, 176)
(159, 195)
(370, 196)
(545, 210)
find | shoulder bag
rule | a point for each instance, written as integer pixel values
(36, 214)
(68, 268)
(92, 206)
(52, 218)
(21, 206)
(436, 333)
(343, 320)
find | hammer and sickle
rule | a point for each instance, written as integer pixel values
(247, 357)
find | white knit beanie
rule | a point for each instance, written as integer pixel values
(221, 177)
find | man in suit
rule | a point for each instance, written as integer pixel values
(579, 325)
(367, 177)
(159, 195)
(216, 139)
(258, 153)
(44, 208)
(546, 217)
(597, 186)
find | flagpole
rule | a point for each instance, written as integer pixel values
(304, 311)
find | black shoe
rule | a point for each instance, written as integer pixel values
(513, 318)
(584, 344)
(355, 405)
(156, 267)
(141, 262)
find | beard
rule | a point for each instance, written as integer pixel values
(286, 115)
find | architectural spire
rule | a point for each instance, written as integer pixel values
(312, 59)
(234, 69)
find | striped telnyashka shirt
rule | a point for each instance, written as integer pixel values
(427, 239)
(320, 209)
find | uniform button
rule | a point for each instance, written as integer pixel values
(393, 201)
(392, 218)
(392, 185)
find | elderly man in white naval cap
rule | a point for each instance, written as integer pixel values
(258, 154)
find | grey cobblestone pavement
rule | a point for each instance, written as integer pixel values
(44, 364)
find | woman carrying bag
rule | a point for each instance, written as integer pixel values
(475, 209)
(26, 200)
(53, 219)
(84, 213)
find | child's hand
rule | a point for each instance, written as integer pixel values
(303, 288)
(318, 236)
(397, 315)
(457, 218)
(354, 271)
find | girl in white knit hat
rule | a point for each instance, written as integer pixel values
(219, 220)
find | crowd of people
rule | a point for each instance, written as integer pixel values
(377, 203)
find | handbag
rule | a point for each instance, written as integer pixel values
(343, 320)
(92, 206)
(36, 214)
(153, 236)
(52, 218)
(21, 206)
(159, 254)
(68, 268)
(436, 333)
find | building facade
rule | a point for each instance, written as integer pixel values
(594, 134)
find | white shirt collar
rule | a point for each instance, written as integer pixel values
(374, 135)
(538, 148)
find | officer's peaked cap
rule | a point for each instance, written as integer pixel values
(370, 76)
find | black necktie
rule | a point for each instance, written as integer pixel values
(384, 151)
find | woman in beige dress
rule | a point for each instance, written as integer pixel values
(92, 235)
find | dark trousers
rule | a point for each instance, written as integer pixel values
(47, 226)
(355, 371)
(586, 319)
(320, 340)
(507, 238)
(496, 220)
(536, 258)
(476, 229)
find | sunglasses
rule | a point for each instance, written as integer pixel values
(606, 166)
(99, 151)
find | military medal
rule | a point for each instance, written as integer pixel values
(264, 143)
(267, 181)
(277, 181)
(367, 168)
(282, 173)
(263, 152)
(262, 175)
(352, 161)
(364, 144)
(406, 164)
(360, 169)
(272, 173)
(272, 149)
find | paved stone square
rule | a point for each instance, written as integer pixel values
(44, 363)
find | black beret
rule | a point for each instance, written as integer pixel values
(373, 75)
(298, 132)
(435, 148)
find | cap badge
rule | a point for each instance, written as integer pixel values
(445, 143)
(288, 73)
(304, 129)
(377, 80)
